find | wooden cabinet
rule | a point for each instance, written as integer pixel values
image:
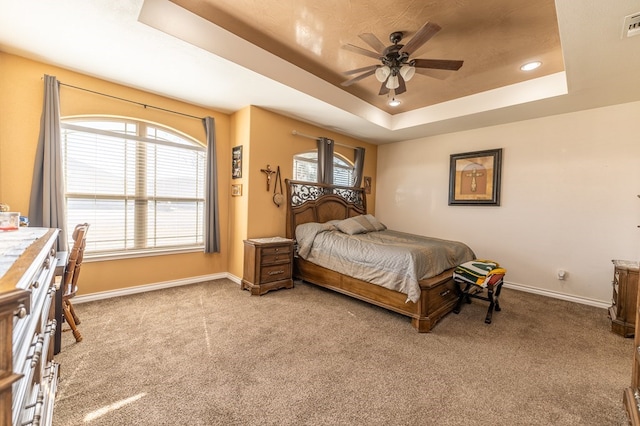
(28, 374)
(625, 293)
(267, 264)
(631, 396)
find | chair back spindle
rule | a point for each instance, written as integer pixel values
(70, 278)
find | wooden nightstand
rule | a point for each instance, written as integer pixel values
(267, 264)
(625, 289)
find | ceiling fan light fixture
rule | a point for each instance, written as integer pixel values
(382, 73)
(530, 66)
(394, 102)
(392, 82)
(407, 72)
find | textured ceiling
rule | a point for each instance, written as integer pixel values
(493, 38)
(160, 47)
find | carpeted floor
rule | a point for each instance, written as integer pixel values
(211, 354)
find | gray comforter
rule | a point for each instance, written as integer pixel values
(391, 259)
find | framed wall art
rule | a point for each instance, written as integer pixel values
(474, 178)
(236, 162)
(367, 184)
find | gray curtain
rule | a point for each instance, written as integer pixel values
(46, 205)
(211, 216)
(358, 166)
(325, 161)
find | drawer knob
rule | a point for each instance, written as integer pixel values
(47, 262)
(37, 352)
(276, 272)
(35, 284)
(51, 327)
(21, 312)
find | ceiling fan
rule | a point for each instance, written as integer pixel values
(396, 68)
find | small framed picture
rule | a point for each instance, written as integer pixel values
(367, 184)
(474, 178)
(236, 162)
(236, 190)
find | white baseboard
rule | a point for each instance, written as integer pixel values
(151, 287)
(558, 295)
(193, 280)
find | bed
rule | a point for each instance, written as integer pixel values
(321, 212)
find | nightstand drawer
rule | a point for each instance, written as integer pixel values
(275, 272)
(284, 250)
(275, 258)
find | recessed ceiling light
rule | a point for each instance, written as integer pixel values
(530, 66)
(394, 102)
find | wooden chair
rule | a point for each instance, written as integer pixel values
(69, 285)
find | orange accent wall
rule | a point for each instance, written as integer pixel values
(272, 143)
(266, 138)
(21, 97)
(239, 205)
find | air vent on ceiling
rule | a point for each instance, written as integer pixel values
(631, 25)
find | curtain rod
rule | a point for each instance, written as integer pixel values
(297, 133)
(130, 101)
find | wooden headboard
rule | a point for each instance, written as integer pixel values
(317, 202)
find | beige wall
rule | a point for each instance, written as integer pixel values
(21, 92)
(266, 138)
(569, 198)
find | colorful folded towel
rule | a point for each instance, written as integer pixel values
(479, 272)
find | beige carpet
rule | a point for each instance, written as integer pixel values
(211, 354)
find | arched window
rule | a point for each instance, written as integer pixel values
(305, 168)
(140, 185)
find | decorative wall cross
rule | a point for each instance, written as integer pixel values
(474, 173)
(268, 172)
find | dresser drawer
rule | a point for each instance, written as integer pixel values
(41, 296)
(38, 408)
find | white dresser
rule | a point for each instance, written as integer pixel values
(28, 374)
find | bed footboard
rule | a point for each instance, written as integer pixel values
(437, 296)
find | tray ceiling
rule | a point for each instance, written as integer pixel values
(494, 38)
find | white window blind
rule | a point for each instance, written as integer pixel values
(305, 168)
(140, 186)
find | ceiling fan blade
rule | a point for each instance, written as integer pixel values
(439, 64)
(358, 78)
(402, 87)
(428, 30)
(373, 41)
(439, 74)
(363, 69)
(384, 89)
(361, 51)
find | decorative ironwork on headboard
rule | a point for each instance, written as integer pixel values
(301, 192)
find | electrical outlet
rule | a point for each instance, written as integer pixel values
(562, 274)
